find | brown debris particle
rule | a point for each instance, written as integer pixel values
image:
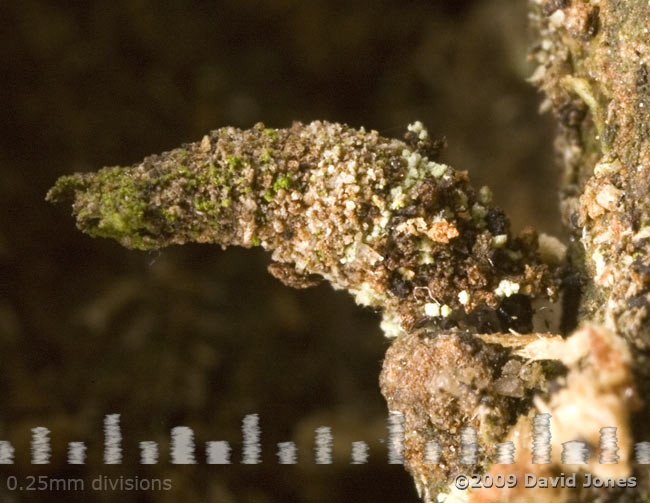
(442, 383)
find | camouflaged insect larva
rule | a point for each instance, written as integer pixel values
(369, 214)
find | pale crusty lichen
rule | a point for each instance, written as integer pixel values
(593, 67)
(376, 216)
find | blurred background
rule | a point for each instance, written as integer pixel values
(195, 335)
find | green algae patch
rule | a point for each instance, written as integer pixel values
(65, 188)
(112, 205)
(282, 182)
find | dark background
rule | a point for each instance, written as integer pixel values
(195, 335)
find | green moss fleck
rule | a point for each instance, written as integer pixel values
(170, 216)
(271, 133)
(234, 162)
(205, 205)
(282, 182)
